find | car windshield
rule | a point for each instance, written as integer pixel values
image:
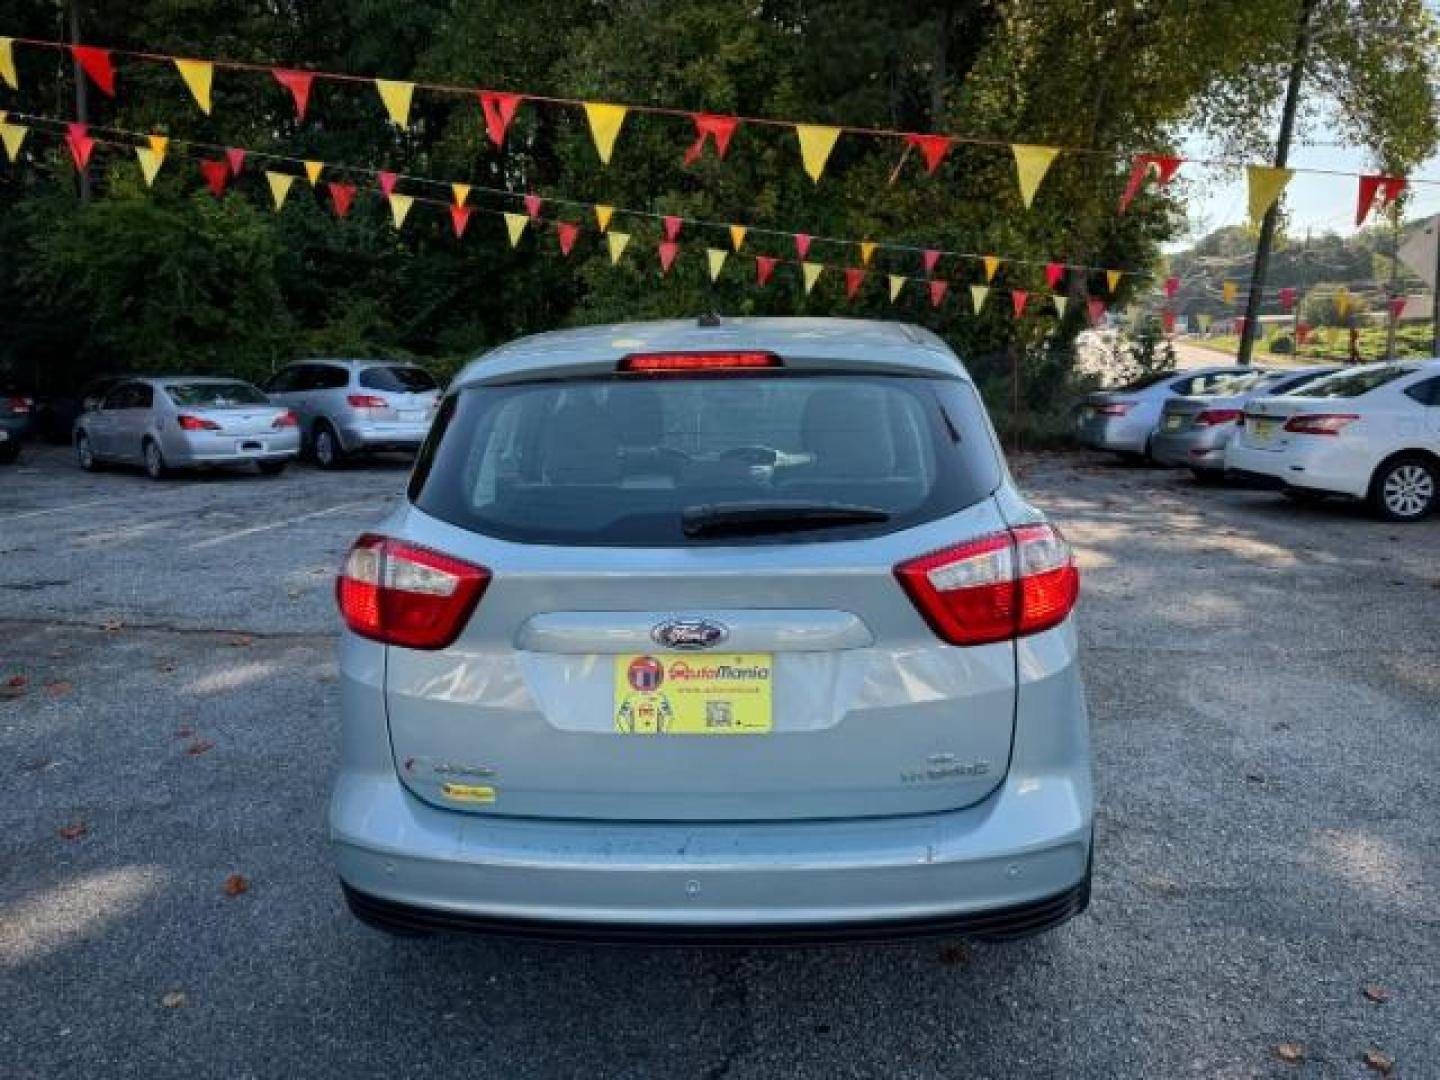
(1350, 384)
(214, 395)
(680, 461)
(397, 380)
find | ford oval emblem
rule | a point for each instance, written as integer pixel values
(689, 634)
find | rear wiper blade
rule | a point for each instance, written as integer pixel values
(741, 518)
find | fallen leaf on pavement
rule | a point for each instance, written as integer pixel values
(58, 688)
(174, 999)
(73, 832)
(14, 686)
(235, 884)
(242, 640)
(198, 747)
(1381, 1063)
(1291, 1052)
(184, 731)
(1377, 993)
(112, 624)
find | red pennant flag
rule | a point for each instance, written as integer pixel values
(934, 147)
(1167, 321)
(802, 244)
(711, 126)
(1397, 307)
(1379, 192)
(929, 259)
(1096, 309)
(1302, 334)
(672, 226)
(459, 218)
(77, 138)
(298, 83)
(1164, 168)
(1054, 272)
(387, 182)
(216, 175)
(764, 267)
(499, 110)
(236, 159)
(937, 291)
(668, 250)
(567, 231)
(854, 278)
(341, 195)
(96, 63)
(1018, 297)
(532, 206)
(1172, 286)
(1287, 300)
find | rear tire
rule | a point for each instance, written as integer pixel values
(1208, 477)
(85, 453)
(270, 468)
(1405, 489)
(155, 466)
(329, 454)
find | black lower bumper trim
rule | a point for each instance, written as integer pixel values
(998, 924)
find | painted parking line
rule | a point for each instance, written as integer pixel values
(55, 509)
(284, 523)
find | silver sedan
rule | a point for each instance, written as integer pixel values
(184, 422)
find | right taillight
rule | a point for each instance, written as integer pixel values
(401, 594)
(1216, 417)
(365, 401)
(1114, 408)
(1320, 423)
(995, 588)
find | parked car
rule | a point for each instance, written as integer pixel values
(355, 406)
(1370, 432)
(16, 419)
(183, 422)
(1193, 431)
(55, 414)
(1124, 420)
(713, 632)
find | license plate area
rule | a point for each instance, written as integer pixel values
(411, 415)
(249, 446)
(1174, 422)
(659, 694)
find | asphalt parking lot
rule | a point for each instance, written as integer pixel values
(1264, 681)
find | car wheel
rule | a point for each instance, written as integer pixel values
(270, 468)
(85, 453)
(1405, 489)
(1208, 477)
(328, 452)
(155, 466)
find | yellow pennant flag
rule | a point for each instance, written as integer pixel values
(811, 272)
(737, 236)
(605, 121)
(816, 142)
(279, 187)
(396, 96)
(1060, 304)
(1112, 279)
(867, 252)
(978, 293)
(515, 226)
(1228, 291)
(1031, 165)
(313, 170)
(897, 282)
(462, 192)
(616, 242)
(992, 263)
(150, 163)
(1342, 301)
(197, 75)
(400, 208)
(7, 63)
(160, 144)
(602, 216)
(716, 257)
(12, 135)
(1266, 184)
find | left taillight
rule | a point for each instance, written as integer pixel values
(284, 420)
(995, 588)
(401, 594)
(20, 405)
(196, 423)
(1216, 417)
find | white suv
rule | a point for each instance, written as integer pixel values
(1370, 432)
(709, 632)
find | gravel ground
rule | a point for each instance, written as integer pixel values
(1265, 687)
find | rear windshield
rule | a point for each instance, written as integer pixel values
(1349, 384)
(397, 380)
(214, 395)
(619, 462)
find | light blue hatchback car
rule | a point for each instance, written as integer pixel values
(728, 631)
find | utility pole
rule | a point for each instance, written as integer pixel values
(82, 93)
(1282, 155)
(1435, 293)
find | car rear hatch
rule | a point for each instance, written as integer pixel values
(1265, 420)
(397, 394)
(245, 420)
(1182, 414)
(751, 658)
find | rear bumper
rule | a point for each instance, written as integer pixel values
(1116, 433)
(1318, 464)
(355, 435)
(207, 449)
(1203, 449)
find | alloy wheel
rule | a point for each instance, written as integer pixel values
(1408, 490)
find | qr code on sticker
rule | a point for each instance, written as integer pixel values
(717, 714)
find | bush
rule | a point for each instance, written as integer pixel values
(1282, 345)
